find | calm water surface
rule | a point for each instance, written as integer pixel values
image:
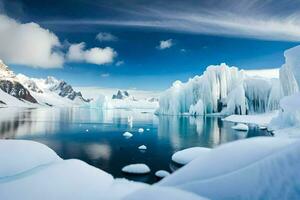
(95, 136)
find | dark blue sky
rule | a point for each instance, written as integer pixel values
(139, 26)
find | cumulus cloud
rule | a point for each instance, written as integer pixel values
(106, 37)
(99, 56)
(165, 44)
(120, 62)
(28, 44)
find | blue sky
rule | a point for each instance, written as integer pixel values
(197, 34)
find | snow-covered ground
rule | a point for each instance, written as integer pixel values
(256, 168)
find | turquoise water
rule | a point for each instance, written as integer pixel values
(96, 136)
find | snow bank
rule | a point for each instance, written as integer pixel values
(221, 89)
(256, 168)
(240, 127)
(136, 169)
(187, 155)
(287, 123)
(18, 156)
(259, 119)
(155, 192)
(162, 173)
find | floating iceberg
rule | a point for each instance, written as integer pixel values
(162, 173)
(185, 156)
(127, 134)
(140, 130)
(142, 147)
(221, 89)
(136, 169)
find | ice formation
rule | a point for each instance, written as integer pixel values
(221, 89)
(241, 127)
(127, 134)
(142, 147)
(162, 173)
(136, 169)
(140, 130)
(185, 156)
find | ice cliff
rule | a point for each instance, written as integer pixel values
(221, 89)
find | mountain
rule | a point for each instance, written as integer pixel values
(123, 95)
(22, 91)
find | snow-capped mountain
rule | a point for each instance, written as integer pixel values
(123, 95)
(22, 91)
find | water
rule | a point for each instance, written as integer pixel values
(96, 137)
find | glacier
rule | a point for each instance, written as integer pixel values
(221, 89)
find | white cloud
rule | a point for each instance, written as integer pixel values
(28, 44)
(106, 37)
(266, 20)
(120, 62)
(99, 56)
(105, 75)
(165, 44)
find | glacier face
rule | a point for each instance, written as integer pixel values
(221, 89)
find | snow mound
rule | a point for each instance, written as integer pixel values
(234, 170)
(23, 156)
(288, 118)
(240, 127)
(142, 147)
(127, 134)
(155, 192)
(140, 130)
(162, 173)
(187, 155)
(136, 169)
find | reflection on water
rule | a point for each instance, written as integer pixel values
(96, 136)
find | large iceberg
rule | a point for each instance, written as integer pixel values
(221, 89)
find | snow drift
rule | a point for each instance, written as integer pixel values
(256, 168)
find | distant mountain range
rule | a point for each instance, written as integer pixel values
(22, 91)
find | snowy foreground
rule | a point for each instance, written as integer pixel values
(257, 168)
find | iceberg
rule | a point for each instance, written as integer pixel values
(221, 89)
(162, 173)
(138, 168)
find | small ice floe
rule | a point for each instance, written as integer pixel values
(240, 127)
(140, 130)
(185, 156)
(263, 127)
(142, 147)
(148, 129)
(162, 173)
(136, 169)
(127, 134)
